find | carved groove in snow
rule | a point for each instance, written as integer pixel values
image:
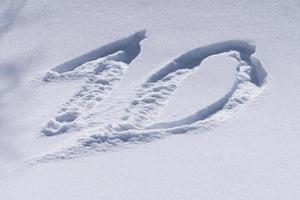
(134, 122)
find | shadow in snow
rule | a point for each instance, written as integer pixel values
(9, 16)
(194, 58)
(130, 45)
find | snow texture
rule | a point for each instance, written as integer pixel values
(206, 106)
(134, 126)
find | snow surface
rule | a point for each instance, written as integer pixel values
(149, 99)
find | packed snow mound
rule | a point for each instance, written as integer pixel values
(100, 77)
(102, 70)
(133, 123)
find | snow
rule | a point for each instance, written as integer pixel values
(203, 104)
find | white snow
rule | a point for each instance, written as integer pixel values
(149, 99)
